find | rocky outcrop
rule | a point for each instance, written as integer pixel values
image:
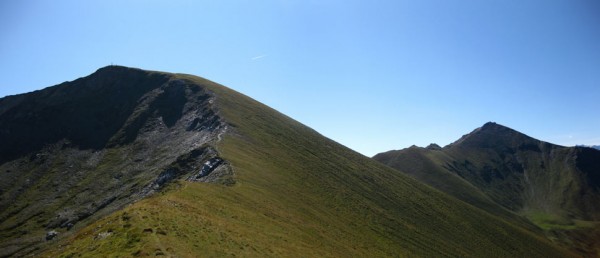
(51, 235)
(214, 170)
(74, 152)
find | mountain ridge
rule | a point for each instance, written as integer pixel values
(554, 187)
(78, 159)
(285, 190)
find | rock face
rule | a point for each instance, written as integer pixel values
(82, 149)
(215, 170)
(208, 167)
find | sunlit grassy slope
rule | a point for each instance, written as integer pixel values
(427, 166)
(299, 194)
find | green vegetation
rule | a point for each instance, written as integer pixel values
(298, 193)
(523, 180)
(429, 166)
(105, 139)
(553, 222)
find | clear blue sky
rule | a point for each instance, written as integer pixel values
(372, 75)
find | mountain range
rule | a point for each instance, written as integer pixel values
(499, 169)
(129, 162)
(590, 146)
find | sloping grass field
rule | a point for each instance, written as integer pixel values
(299, 194)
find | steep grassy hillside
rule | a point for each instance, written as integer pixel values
(555, 187)
(298, 193)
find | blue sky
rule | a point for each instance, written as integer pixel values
(372, 75)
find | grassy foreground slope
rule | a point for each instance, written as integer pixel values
(299, 194)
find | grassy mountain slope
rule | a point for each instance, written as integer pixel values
(528, 175)
(426, 165)
(298, 193)
(75, 152)
(553, 186)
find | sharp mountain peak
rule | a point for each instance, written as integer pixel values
(495, 128)
(494, 135)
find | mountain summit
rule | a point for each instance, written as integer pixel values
(80, 150)
(127, 162)
(497, 169)
(493, 136)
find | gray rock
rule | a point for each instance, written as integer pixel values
(51, 235)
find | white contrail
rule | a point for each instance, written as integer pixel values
(258, 57)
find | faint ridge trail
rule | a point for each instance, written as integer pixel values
(221, 133)
(219, 138)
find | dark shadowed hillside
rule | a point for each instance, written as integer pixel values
(555, 187)
(79, 150)
(136, 163)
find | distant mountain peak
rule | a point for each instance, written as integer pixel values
(116, 68)
(498, 130)
(588, 146)
(496, 126)
(490, 123)
(494, 135)
(497, 166)
(433, 146)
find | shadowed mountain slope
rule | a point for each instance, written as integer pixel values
(74, 152)
(555, 187)
(528, 175)
(290, 191)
